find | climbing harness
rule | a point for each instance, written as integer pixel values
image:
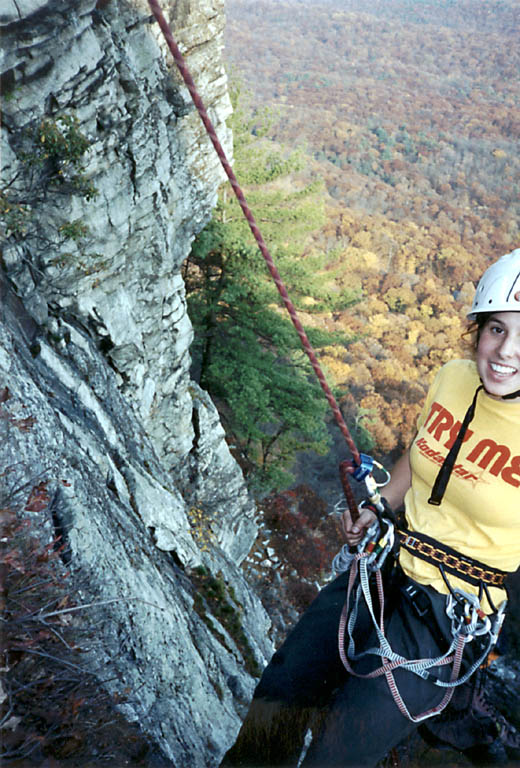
(432, 551)
(347, 468)
(468, 622)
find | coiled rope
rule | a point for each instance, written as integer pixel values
(346, 467)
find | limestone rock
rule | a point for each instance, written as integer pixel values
(94, 351)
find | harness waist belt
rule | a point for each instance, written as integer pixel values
(432, 551)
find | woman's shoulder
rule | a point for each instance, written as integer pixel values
(462, 373)
(459, 368)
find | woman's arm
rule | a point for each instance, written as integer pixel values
(400, 481)
(394, 492)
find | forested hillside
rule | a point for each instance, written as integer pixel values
(409, 113)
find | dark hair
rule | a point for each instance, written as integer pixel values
(480, 320)
(476, 326)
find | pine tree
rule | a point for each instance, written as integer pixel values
(246, 353)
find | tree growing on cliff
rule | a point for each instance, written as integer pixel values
(246, 353)
(51, 154)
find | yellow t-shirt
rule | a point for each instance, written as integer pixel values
(480, 512)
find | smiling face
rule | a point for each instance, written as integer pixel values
(498, 354)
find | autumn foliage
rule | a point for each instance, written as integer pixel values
(411, 320)
(408, 108)
(304, 541)
(407, 112)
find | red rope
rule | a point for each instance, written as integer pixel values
(186, 76)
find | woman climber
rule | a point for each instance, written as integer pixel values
(414, 627)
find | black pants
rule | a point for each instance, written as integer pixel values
(354, 721)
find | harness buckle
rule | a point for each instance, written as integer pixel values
(418, 599)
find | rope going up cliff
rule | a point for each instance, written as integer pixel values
(356, 467)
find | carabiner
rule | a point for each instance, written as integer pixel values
(375, 546)
(470, 620)
(373, 486)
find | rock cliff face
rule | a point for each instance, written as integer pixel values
(94, 352)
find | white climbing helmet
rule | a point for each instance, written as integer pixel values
(499, 287)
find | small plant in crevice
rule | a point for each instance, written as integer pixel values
(52, 170)
(76, 230)
(200, 527)
(56, 153)
(214, 594)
